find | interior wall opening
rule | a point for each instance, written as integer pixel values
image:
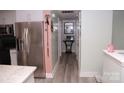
(66, 27)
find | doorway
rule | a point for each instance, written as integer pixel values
(66, 27)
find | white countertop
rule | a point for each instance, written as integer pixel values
(15, 74)
(116, 55)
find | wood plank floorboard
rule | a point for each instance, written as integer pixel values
(67, 72)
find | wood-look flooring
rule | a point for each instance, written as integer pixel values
(67, 72)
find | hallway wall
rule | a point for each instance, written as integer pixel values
(96, 33)
(54, 40)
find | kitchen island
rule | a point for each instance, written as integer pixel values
(113, 67)
(16, 74)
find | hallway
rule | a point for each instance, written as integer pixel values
(67, 72)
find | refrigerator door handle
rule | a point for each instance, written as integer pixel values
(20, 45)
(27, 41)
(23, 40)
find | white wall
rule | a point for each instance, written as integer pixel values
(12, 16)
(7, 17)
(118, 29)
(29, 15)
(96, 31)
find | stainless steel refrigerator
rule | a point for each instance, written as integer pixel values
(30, 46)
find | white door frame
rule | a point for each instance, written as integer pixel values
(79, 58)
(59, 41)
(59, 38)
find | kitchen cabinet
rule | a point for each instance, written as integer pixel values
(17, 74)
(113, 68)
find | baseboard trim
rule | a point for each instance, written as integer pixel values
(88, 74)
(51, 75)
(92, 74)
(55, 68)
(98, 78)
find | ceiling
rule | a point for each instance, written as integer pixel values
(68, 14)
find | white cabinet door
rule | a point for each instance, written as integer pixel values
(111, 70)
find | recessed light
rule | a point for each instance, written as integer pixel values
(53, 15)
(67, 11)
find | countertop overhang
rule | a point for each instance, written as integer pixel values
(15, 74)
(116, 55)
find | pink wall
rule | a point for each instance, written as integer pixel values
(47, 43)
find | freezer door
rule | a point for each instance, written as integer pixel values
(21, 37)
